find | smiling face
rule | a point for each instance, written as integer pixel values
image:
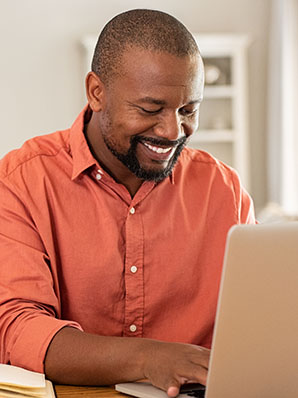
(142, 119)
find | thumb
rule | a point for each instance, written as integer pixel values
(173, 389)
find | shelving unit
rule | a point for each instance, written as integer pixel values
(223, 127)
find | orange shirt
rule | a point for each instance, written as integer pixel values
(76, 249)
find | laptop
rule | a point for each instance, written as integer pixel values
(255, 342)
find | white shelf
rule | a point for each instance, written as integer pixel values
(225, 103)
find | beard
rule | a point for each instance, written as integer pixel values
(130, 159)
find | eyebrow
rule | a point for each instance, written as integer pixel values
(150, 100)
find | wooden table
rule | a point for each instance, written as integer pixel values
(87, 392)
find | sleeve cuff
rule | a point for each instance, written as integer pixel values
(30, 347)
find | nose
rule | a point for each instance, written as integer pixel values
(170, 127)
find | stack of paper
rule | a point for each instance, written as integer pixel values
(16, 382)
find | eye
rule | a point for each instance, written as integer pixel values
(149, 111)
(187, 112)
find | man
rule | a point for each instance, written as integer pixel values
(112, 233)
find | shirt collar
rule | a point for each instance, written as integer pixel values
(81, 154)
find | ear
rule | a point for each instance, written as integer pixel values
(94, 91)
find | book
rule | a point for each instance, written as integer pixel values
(17, 382)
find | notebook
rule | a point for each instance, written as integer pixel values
(255, 342)
(18, 382)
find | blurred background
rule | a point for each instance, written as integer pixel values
(43, 66)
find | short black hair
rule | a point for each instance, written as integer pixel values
(148, 29)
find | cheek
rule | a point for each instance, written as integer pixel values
(135, 124)
(192, 125)
(116, 134)
(125, 129)
(118, 127)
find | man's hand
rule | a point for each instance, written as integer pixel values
(169, 365)
(76, 357)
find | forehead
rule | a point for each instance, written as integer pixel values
(144, 72)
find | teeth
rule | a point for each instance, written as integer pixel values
(157, 149)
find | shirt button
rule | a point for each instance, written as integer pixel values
(132, 210)
(132, 328)
(98, 176)
(133, 269)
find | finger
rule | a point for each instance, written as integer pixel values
(193, 374)
(200, 375)
(173, 390)
(203, 358)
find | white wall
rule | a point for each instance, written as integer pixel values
(41, 67)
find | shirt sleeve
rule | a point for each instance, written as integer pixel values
(244, 203)
(29, 300)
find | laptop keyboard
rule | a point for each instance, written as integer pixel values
(196, 393)
(193, 390)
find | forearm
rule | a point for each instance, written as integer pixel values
(76, 357)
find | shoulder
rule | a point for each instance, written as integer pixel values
(49, 145)
(198, 172)
(202, 165)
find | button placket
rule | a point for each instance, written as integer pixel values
(134, 284)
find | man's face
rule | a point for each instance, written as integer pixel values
(149, 110)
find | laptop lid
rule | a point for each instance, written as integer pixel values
(255, 342)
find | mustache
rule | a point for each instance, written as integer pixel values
(159, 141)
